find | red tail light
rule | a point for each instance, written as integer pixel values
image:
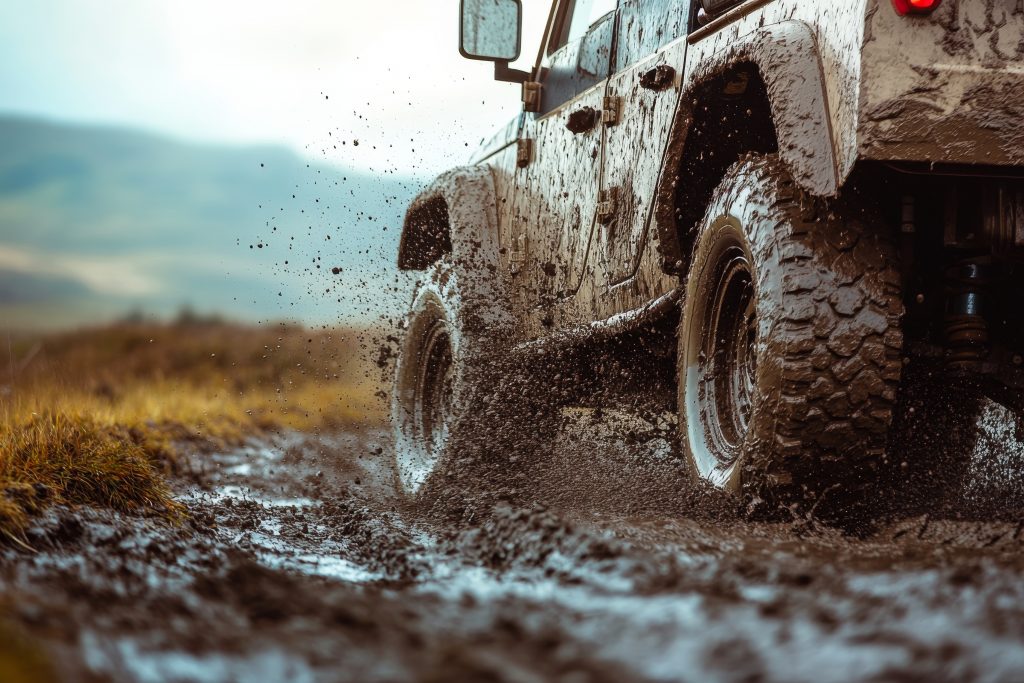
(905, 7)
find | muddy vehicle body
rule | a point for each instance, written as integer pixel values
(810, 196)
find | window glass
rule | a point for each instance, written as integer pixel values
(585, 13)
(647, 25)
(579, 16)
(585, 60)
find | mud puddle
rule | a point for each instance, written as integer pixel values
(299, 562)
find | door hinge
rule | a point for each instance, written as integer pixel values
(531, 96)
(611, 110)
(606, 205)
(524, 152)
(518, 256)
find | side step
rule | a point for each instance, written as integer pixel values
(602, 330)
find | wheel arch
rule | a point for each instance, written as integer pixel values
(456, 214)
(764, 93)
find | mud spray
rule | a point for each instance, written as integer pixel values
(562, 537)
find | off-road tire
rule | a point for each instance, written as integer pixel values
(823, 340)
(458, 307)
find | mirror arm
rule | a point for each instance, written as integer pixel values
(502, 72)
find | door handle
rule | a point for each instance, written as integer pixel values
(658, 78)
(582, 120)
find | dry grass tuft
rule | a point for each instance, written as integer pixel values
(78, 460)
(100, 416)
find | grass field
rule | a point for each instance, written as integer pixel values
(100, 416)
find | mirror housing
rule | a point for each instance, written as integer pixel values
(490, 30)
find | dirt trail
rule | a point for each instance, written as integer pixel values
(300, 563)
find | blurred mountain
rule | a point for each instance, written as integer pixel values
(98, 222)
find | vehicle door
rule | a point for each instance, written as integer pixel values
(558, 179)
(649, 58)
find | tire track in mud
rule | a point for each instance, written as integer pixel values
(299, 562)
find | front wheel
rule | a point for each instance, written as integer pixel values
(789, 350)
(430, 378)
(458, 320)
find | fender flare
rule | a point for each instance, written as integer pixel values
(456, 218)
(456, 214)
(789, 61)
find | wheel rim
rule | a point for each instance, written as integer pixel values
(427, 378)
(435, 389)
(727, 378)
(721, 359)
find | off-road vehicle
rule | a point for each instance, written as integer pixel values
(816, 193)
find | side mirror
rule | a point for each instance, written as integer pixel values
(491, 30)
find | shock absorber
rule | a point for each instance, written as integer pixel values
(967, 338)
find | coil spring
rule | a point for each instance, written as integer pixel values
(967, 337)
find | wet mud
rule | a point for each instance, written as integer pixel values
(298, 561)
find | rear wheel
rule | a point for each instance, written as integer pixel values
(789, 343)
(721, 361)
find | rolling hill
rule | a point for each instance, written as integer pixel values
(98, 222)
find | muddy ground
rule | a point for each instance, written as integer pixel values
(298, 561)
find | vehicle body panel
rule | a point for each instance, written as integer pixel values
(501, 138)
(553, 212)
(846, 81)
(627, 268)
(952, 93)
(634, 149)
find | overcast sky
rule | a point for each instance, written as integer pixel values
(315, 75)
